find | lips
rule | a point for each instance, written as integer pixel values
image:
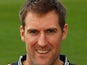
(42, 51)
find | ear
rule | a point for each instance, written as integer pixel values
(22, 33)
(65, 31)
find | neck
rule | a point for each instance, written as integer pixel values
(58, 62)
(27, 62)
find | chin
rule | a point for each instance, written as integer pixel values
(42, 62)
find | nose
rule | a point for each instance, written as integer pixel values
(42, 41)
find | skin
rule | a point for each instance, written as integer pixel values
(43, 36)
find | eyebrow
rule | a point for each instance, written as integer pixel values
(51, 29)
(32, 30)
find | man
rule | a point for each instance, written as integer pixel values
(43, 29)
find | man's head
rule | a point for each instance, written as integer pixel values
(43, 29)
(41, 7)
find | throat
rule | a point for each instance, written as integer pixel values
(59, 62)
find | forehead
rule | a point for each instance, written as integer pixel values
(51, 19)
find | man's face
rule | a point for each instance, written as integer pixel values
(43, 37)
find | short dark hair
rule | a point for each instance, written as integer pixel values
(42, 7)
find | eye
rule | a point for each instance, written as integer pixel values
(33, 32)
(51, 31)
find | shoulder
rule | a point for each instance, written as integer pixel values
(19, 62)
(14, 63)
(65, 60)
(72, 64)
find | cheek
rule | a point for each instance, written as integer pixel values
(30, 40)
(30, 43)
(55, 41)
(29, 46)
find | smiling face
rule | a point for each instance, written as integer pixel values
(43, 37)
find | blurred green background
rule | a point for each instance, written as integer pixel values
(75, 46)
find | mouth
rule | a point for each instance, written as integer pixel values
(42, 51)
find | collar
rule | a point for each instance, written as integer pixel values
(62, 57)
